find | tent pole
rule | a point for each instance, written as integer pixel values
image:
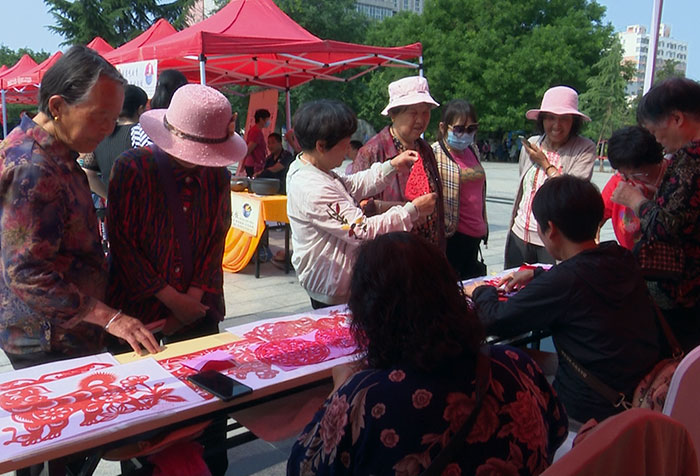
(4, 115)
(288, 107)
(420, 66)
(653, 44)
(202, 69)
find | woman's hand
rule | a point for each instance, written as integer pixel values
(404, 160)
(469, 288)
(629, 196)
(537, 155)
(188, 309)
(425, 205)
(517, 280)
(135, 333)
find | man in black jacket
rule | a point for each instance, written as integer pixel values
(594, 302)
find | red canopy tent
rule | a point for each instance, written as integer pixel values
(28, 81)
(24, 64)
(100, 45)
(252, 42)
(3, 68)
(159, 30)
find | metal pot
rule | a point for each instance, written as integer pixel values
(265, 186)
(239, 184)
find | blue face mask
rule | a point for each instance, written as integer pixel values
(459, 141)
(267, 124)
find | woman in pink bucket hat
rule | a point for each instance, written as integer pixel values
(409, 109)
(169, 212)
(557, 149)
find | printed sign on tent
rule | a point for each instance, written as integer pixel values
(142, 74)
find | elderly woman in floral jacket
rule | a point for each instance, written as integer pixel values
(421, 344)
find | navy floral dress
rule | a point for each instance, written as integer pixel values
(396, 421)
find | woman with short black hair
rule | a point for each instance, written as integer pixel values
(327, 223)
(421, 344)
(639, 160)
(52, 263)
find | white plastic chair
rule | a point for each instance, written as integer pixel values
(684, 393)
(637, 442)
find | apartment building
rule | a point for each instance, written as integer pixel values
(635, 49)
(380, 9)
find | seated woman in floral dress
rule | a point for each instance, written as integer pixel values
(421, 345)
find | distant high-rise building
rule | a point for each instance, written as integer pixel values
(380, 9)
(635, 49)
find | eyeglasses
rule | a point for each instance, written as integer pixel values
(635, 177)
(470, 129)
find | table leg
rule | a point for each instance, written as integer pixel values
(286, 248)
(256, 256)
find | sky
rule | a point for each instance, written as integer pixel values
(26, 26)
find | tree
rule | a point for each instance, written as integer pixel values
(9, 57)
(498, 54)
(668, 68)
(117, 21)
(328, 20)
(605, 98)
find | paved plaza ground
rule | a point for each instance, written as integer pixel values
(278, 294)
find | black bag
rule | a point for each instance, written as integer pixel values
(659, 260)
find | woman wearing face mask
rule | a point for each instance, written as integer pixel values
(557, 150)
(463, 187)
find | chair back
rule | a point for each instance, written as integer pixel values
(637, 441)
(683, 391)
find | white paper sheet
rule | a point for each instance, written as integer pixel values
(36, 416)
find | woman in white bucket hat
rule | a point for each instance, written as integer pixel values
(409, 109)
(557, 150)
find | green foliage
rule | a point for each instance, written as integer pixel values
(9, 57)
(117, 21)
(667, 70)
(604, 100)
(498, 54)
(328, 20)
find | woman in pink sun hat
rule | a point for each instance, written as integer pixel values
(170, 209)
(557, 149)
(409, 109)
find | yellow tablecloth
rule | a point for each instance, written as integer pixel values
(240, 246)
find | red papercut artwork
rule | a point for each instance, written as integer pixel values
(99, 398)
(339, 337)
(240, 351)
(53, 376)
(292, 352)
(265, 349)
(417, 184)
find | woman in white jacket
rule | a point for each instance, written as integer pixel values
(327, 222)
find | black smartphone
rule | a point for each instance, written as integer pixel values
(219, 384)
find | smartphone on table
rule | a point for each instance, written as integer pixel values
(219, 384)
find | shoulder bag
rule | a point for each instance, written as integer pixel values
(651, 391)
